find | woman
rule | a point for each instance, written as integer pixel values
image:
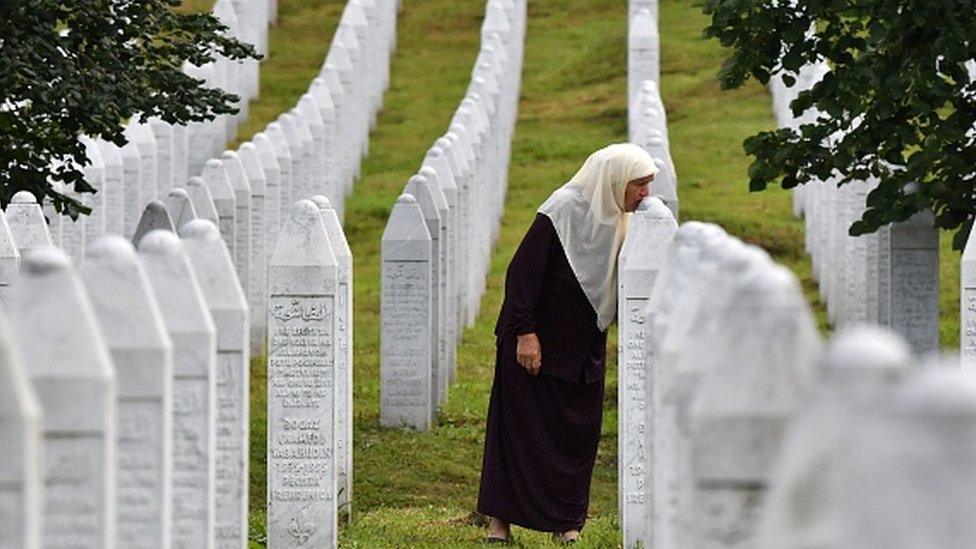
(560, 296)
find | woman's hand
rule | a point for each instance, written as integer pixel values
(528, 352)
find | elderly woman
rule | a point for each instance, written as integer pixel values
(560, 296)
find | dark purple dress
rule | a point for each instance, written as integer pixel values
(543, 431)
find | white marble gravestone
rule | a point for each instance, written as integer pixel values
(260, 231)
(340, 103)
(114, 186)
(642, 256)
(142, 135)
(21, 477)
(431, 200)
(344, 355)
(194, 339)
(272, 173)
(154, 217)
(758, 365)
(181, 160)
(92, 225)
(205, 138)
(133, 327)
(203, 203)
(72, 373)
(180, 207)
(26, 221)
(643, 52)
(251, 16)
(9, 259)
(163, 132)
(300, 147)
(329, 185)
(131, 187)
(446, 209)
(227, 302)
(862, 369)
(967, 304)
(311, 128)
(242, 217)
(406, 354)
(302, 508)
(287, 172)
(914, 281)
(222, 192)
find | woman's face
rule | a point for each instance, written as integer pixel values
(637, 190)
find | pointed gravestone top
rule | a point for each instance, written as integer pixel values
(212, 265)
(337, 238)
(279, 141)
(303, 239)
(218, 181)
(49, 299)
(437, 160)
(235, 172)
(118, 287)
(251, 161)
(406, 222)
(173, 279)
(266, 151)
(180, 207)
(27, 224)
(154, 217)
(643, 26)
(323, 97)
(203, 203)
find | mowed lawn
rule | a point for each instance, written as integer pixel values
(419, 490)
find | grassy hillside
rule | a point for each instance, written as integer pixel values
(419, 489)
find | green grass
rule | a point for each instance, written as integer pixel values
(419, 490)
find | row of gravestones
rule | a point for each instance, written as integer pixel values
(159, 153)
(125, 385)
(314, 148)
(890, 277)
(763, 437)
(436, 247)
(647, 122)
(125, 418)
(243, 193)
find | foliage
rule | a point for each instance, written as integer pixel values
(82, 67)
(898, 106)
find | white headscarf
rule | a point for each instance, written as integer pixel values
(588, 215)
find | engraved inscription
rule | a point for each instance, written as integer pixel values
(301, 373)
(635, 484)
(75, 495)
(914, 297)
(139, 474)
(406, 337)
(230, 449)
(190, 461)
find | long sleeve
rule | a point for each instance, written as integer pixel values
(525, 276)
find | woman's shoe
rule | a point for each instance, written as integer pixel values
(566, 538)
